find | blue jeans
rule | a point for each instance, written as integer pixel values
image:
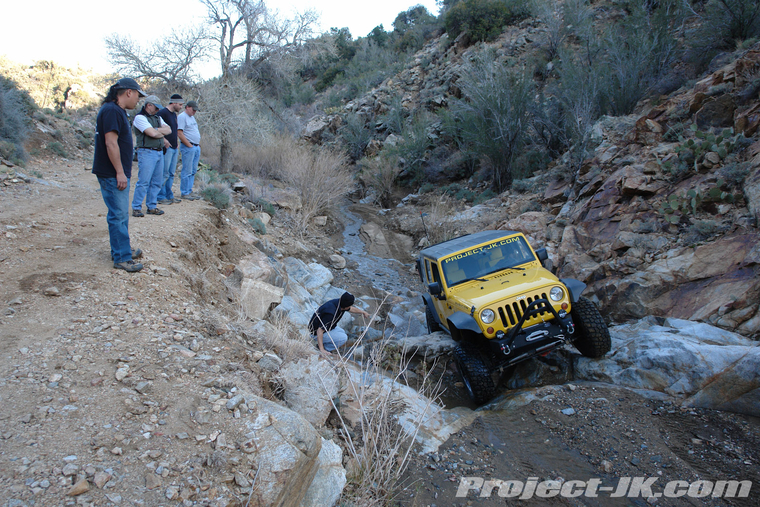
(117, 202)
(170, 166)
(190, 158)
(331, 340)
(150, 164)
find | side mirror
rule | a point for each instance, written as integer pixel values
(542, 255)
(435, 289)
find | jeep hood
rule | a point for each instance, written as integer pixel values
(503, 285)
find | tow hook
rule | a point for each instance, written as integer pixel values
(570, 328)
(505, 349)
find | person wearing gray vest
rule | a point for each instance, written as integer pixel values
(150, 130)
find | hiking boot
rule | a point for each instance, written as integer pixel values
(191, 197)
(176, 200)
(166, 201)
(129, 266)
(136, 254)
(137, 213)
(155, 211)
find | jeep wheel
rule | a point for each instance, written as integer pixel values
(475, 375)
(432, 325)
(592, 336)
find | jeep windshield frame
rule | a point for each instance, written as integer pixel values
(483, 260)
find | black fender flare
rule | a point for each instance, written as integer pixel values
(428, 300)
(464, 322)
(574, 287)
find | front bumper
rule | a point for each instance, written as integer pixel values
(520, 344)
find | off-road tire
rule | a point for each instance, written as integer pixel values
(592, 336)
(432, 324)
(475, 375)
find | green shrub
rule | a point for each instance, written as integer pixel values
(355, 135)
(266, 206)
(217, 196)
(724, 24)
(57, 149)
(493, 113)
(483, 20)
(258, 226)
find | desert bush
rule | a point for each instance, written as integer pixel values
(410, 152)
(380, 174)
(640, 51)
(440, 226)
(724, 24)
(217, 194)
(320, 175)
(493, 113)
(553, 19)
(355, 135)
(483, 20)
(15, 109)
(258, 226)
(393, 119)
(57, 149)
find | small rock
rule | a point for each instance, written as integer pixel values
(52, 291)
(568, 411)
(101, 478)
(152, 481)
(122, 372)
(234, 402)
(117, 451)
(80, 487)
(172, 492)
(606, 466)
(241, 481)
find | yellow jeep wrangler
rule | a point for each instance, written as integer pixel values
(491, 293)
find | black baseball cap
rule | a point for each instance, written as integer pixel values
(127, 83)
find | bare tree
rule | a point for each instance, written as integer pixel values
(170, 60)
(232, 111)
(250, 26)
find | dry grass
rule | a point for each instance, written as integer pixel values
(380, 174)
(380, 451)
(440, 225)
(320, 175)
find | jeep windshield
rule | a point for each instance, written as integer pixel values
(486, 259)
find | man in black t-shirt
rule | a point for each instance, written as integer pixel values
(112, 165)
(323, 323)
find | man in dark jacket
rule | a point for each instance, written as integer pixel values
(323, 323)
(171, 149)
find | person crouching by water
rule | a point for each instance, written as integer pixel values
(323, 324)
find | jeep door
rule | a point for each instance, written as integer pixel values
(433, 275)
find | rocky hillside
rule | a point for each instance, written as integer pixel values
(662, 220)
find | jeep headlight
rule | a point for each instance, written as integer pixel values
(556, 294)
(487, 316)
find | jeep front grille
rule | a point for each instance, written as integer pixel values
(511, 313)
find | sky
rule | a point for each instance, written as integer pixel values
(71, 33)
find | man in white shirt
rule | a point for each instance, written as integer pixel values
(190, 141)
(150, 130)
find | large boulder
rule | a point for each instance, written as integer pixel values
(699, 363)
(309, 386)
(285, 449)
(257, 298)
(328, 484)
(384, 243)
